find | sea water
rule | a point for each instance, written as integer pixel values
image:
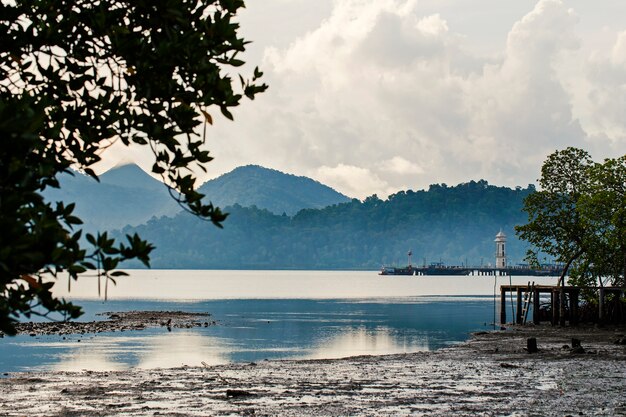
(265, 315)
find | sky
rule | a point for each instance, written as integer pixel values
(377, 96)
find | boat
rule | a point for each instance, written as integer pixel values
(393, 270)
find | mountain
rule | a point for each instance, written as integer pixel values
(265, 188)
(131, 176)
(455, 225)
(125, 195)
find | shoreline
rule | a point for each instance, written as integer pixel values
(490, 374)
(118, 322)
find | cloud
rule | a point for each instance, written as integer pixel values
(374, 96)
(352, 180)
(605, 95)
(399, 165)
(377, 80)
(519, 110)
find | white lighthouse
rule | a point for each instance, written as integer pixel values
(500, 253)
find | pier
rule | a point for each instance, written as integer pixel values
(479, 271)
(563, 302)
(501, 268)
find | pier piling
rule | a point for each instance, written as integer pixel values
(564, 303)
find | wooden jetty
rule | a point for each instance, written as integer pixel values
(564, 302)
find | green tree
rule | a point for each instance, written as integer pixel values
(579, 216)
(603, 210)
(554, 225)
(78, 76)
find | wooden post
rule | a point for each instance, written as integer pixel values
(573, 306)
(554, 301)
(601, 306)
(536, 307)
(621, 307)
(502, 305)
(562, 306)
(518, 305)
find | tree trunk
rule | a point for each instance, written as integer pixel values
(561, 280)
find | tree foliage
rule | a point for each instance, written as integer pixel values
(78, 76)
(578, 216)
(453, 224)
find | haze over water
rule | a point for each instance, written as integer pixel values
(218, 285)
(266, 315)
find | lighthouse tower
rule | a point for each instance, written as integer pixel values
(500, 253)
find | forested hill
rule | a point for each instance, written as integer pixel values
(270, 189)
(126, 195)
(450, 224)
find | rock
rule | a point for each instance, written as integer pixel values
(576, 347)
(237, 393)
(508, 365)
(531, 345)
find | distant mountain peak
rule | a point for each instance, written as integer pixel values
(267, 188)
(130, 176)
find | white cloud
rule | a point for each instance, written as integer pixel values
(618, 54)
(377, 80)
(354, 180)
(604, 96)
(399, 165)
(374, 96)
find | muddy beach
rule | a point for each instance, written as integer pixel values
(119, 322)
(491, 374)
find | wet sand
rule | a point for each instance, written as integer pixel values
(489, 375)
(119, 322)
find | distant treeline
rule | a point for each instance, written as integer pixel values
(455, 225)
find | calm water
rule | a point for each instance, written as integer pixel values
(265, 315)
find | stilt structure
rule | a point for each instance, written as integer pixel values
(563, 302)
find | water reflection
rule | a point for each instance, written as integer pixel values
(253, 330)
(362, 341)
(88, 356)
(183, 348)
(266, 315)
